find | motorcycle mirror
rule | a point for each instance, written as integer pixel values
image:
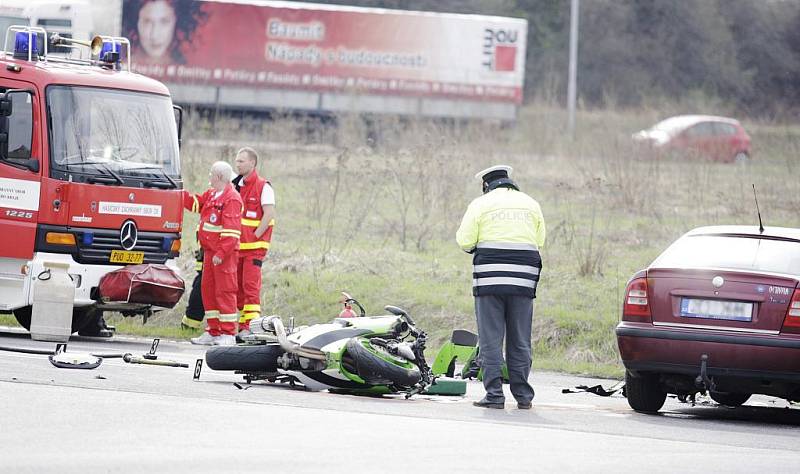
(395, 310)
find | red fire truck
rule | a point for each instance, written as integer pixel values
(89, 169)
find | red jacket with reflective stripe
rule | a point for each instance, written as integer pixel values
(220, 220)
(250, 189)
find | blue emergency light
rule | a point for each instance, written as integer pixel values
(25, 45)
(166, 244)
(87, 239)
(111, 53)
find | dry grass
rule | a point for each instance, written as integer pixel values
(378, 217)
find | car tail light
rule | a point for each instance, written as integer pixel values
(637, 305)
(791, 323)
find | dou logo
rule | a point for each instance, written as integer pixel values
(499, 49)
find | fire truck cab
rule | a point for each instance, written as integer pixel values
(89, 170)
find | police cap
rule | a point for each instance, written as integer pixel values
(493, 173)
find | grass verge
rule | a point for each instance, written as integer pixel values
(379, 222)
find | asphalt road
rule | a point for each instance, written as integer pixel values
(133, 418)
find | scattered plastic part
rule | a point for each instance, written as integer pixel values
(446, 386)
(75, 360)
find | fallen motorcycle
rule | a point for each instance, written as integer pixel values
(365, 354)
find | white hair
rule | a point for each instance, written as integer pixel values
(222, 170)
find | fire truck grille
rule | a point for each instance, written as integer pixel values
(94, 246)
(104, 241)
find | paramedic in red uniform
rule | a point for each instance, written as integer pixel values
(258, 199)
(220, 226)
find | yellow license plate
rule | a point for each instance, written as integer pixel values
(124, 256)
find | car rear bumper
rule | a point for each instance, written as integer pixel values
(678, 351)
(694, 370)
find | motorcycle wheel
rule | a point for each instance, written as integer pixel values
(246, 358)
(376, 367)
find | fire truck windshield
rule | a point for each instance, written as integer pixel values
(128, 135)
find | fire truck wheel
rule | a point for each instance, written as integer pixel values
(80, 317)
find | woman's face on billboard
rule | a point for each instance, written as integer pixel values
(156, 27)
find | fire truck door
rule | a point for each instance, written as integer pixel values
(20, 168)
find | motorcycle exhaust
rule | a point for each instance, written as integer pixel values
(260, 326)
(274, 325)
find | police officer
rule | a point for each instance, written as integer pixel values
(504, 230)
(219, 230)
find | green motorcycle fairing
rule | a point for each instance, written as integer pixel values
(332, 338)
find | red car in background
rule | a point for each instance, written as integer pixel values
(717, 312)
(716, 138)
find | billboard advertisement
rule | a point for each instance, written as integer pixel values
(292, 45)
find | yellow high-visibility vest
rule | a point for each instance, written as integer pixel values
(502, 215)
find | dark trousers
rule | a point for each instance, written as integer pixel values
(508, 316)
(194, 308)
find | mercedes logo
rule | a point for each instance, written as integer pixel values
(128, 235)
(717, 281)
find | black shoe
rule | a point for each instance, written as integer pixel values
(487, 404)
(98, 329)
(524, 405)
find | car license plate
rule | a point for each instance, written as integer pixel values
(716, 309)
(125, 256)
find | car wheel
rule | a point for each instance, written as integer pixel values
(741, 158)
(80, 317)
(730, 399)
(644, 391)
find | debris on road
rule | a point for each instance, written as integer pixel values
(599, 389)
(24, 350)
(131, 359)
(74, 360)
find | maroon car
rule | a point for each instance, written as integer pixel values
(715, 138)
(718, 311)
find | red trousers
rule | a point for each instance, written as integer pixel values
(218, 288)
(248, 298)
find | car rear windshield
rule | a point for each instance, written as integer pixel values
(733, 253)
